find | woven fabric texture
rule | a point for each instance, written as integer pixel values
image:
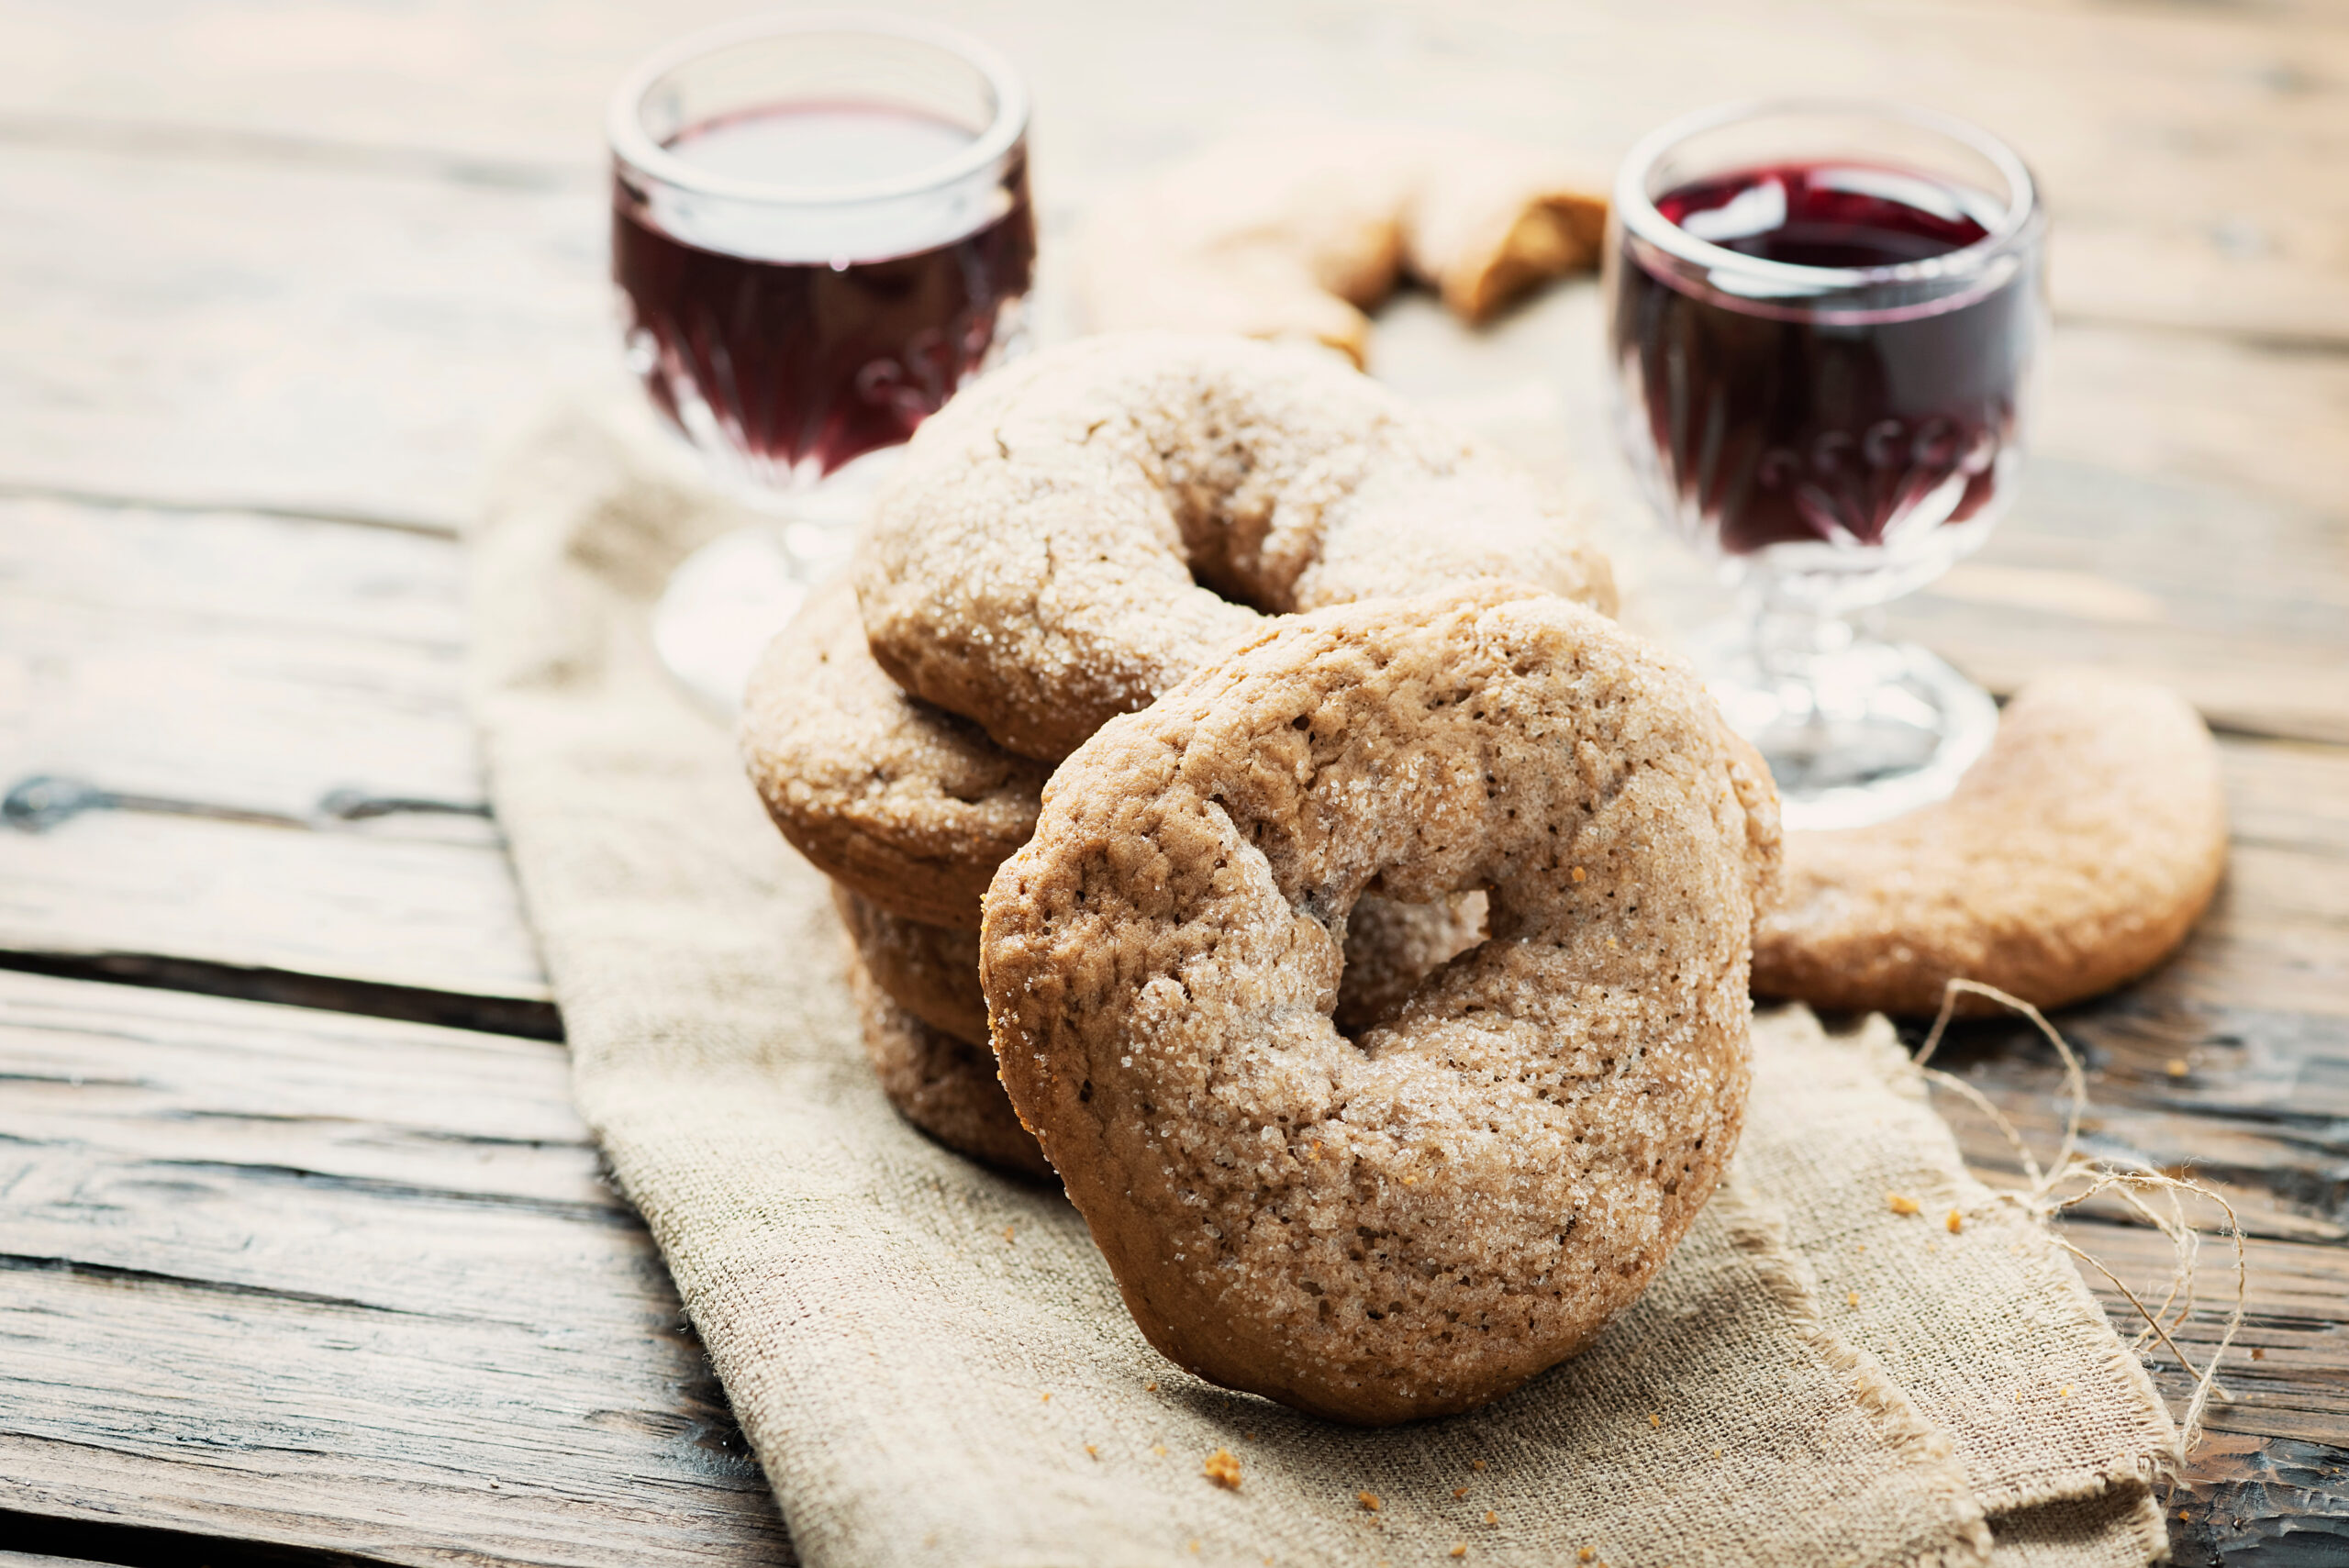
(933, 1364)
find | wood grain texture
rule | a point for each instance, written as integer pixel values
(289, 336)
(2167, 135)
(196, 347)
(295, 261)
(252, 664)
(337, 1283)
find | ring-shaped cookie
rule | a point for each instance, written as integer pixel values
(1415, 1219)
(1072, 535)
(912, 807)
(2073, 857)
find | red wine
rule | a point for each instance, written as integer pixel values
(801, 336)
(1775, 422)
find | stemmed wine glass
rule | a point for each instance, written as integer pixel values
(1822, 317)
(821, 227)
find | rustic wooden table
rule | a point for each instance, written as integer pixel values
(304, 1257)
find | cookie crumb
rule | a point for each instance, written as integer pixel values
(1459, 1549)
(2175, 1067)
(1491, 1518)
(1654, 1421)
(2065, 1391)
(2259, 1352)
(1715, 1455)
(1851, 1298)
(1158, 1448)
(1222, 1467)
(1475, 1464)
(1092, 1452)
(1195, 1546)
(1901, 1203)
(1585, 1554)
(1956, 1222)
(1151, 1387)
(1369, 1501)
(1458, 1492)
(1576, 873)
(1006, 1233)
(1048, 1399)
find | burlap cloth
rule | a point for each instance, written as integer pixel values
(933, 1364)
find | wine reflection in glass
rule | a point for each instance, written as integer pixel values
(821, 227)
(1823, 318)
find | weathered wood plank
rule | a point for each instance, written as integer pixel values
(290, 337)
(338, 1282)
(2169, 136)
(118, 628)
(453, 240)
(2299, 1386)
(254, 663)
(2242, 604)
(2261, 1504)
(357, 905)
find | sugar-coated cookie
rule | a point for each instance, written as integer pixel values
(1076, 533)
(1413, 1220)
(2073, 857)
(945, 1086)
(910, 806)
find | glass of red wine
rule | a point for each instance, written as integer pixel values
(821, 227)
(1823, 318)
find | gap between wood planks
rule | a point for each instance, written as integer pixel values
(113, 501)
(514, 1016)
(46, 1541)
(317, 1281)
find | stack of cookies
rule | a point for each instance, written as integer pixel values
(1068, 539)
(909, 809)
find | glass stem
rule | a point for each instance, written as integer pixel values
(1793, 642)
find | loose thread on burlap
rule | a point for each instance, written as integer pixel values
(2129, 1180)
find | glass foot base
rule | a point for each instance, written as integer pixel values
(1874, 730)
(723, 604)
